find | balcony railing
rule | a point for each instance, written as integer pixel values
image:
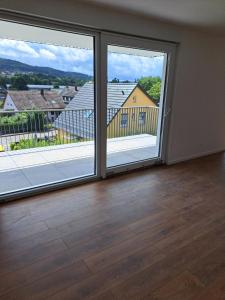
(39, 128)
(128, 121)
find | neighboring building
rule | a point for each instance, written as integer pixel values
(130, 111)
(3, 93)
(27, 100)
(39, 87)
(68, 93)
(46, 87)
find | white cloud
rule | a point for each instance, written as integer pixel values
(47, 54)
(78, 55)
(70, 54)
(9, 53)
(59, 57)
(73, 59)
(130, 67)
(17, 48)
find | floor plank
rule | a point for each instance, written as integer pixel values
(152, 234)
(49, 285)
(185, 286)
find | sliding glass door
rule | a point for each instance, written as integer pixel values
(78, 104)
(137, 72)
(47, 106)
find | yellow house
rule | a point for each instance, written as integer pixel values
(137, 115)
(130, 111)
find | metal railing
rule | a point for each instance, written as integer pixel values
(128, 121)
(40, 128)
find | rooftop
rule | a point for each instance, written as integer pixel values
(36, 99)
(69, 91)
(117, 94)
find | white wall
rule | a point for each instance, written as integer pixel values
(198, 116)
(9, 104)
(198, 120)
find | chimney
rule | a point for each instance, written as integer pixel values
(43, 95)
(76, 89)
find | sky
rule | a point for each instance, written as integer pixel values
(121, 66)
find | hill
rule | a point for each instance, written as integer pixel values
(13, 66)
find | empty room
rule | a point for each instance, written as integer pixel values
(112, 150)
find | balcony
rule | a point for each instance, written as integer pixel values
(41, 147)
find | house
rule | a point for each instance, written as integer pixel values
(3, 93)
(39, 87)
(130, 111)
(25, 100)
(68, 93)
(46, 87)
(37, 100)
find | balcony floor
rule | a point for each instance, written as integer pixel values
(32, 167)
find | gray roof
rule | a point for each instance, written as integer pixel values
(69, 91)
(117, 95)
(36, 100)
(78, 118)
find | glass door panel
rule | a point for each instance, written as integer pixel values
(134, 104)
(47, 106)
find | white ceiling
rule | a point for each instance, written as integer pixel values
(201, 13)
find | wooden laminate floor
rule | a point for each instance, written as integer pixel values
(152, 234)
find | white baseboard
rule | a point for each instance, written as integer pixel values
(186, 158)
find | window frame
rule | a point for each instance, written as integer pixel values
(123, 122)
(71, 28)
(169, 49)
(141, 120)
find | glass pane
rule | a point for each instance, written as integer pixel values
(47, 114)
(134, 102)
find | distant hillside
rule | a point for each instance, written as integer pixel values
(13, 66)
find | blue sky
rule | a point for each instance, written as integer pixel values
(122, 66)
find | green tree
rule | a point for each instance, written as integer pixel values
(19, 83)
(115, 80)
(3, 82)
(147, 82)
(152, 86)
(154, 91)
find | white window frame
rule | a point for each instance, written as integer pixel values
(108, 39)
